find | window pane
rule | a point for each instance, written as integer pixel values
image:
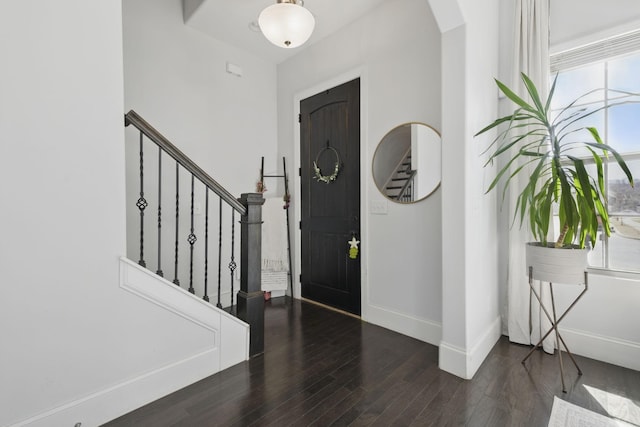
(624, 127)
(579, 137)
(624, 199)
(624, 209)
(624, 243)
(624, 72)
(574, 83)
(619, 127)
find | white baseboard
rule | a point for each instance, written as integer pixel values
(452, 359)
(606, 349)
(420, 329)
(465, 363)
(114, 401)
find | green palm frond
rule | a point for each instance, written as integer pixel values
(529, 138)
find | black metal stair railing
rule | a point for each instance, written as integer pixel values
(249, 304)
(406, 192)
(399, 185)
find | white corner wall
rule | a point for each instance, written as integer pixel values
(400, 83)
(70, 335)
(471, 321)
(175, 78)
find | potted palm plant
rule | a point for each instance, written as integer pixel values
(536, 141)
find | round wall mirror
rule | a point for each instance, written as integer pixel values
(406, 164)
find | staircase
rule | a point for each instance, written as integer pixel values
(399, 187)
(194, 240)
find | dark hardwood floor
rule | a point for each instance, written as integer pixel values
(324, 368)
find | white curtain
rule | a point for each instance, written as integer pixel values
(526, 321)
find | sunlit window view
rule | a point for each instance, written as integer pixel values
(619, 126)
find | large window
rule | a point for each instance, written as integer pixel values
(620, 127)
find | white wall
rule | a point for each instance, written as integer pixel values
(70, 335)
(175, 77)
(483, 321)
(471, 323)
(603, 325)
(400, 79)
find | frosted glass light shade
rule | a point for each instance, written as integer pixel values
(286, 25)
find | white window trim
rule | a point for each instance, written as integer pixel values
(610, 272)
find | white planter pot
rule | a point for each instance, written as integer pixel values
(556, 265)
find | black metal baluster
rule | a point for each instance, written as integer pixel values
(191, 239)
(206, 243)
(232, 264)
(219, 305)
(141, 204)
(175, 266)
(159, 271)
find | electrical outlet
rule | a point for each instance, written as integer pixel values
(378, 207)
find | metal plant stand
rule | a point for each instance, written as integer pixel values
(555, 321)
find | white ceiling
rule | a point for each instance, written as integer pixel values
(229, 21)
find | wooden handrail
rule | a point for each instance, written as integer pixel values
(132, 118)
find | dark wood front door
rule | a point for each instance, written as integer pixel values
(330, 141)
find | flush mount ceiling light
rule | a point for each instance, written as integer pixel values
(287, 24)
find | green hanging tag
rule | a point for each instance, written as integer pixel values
(353, 253)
